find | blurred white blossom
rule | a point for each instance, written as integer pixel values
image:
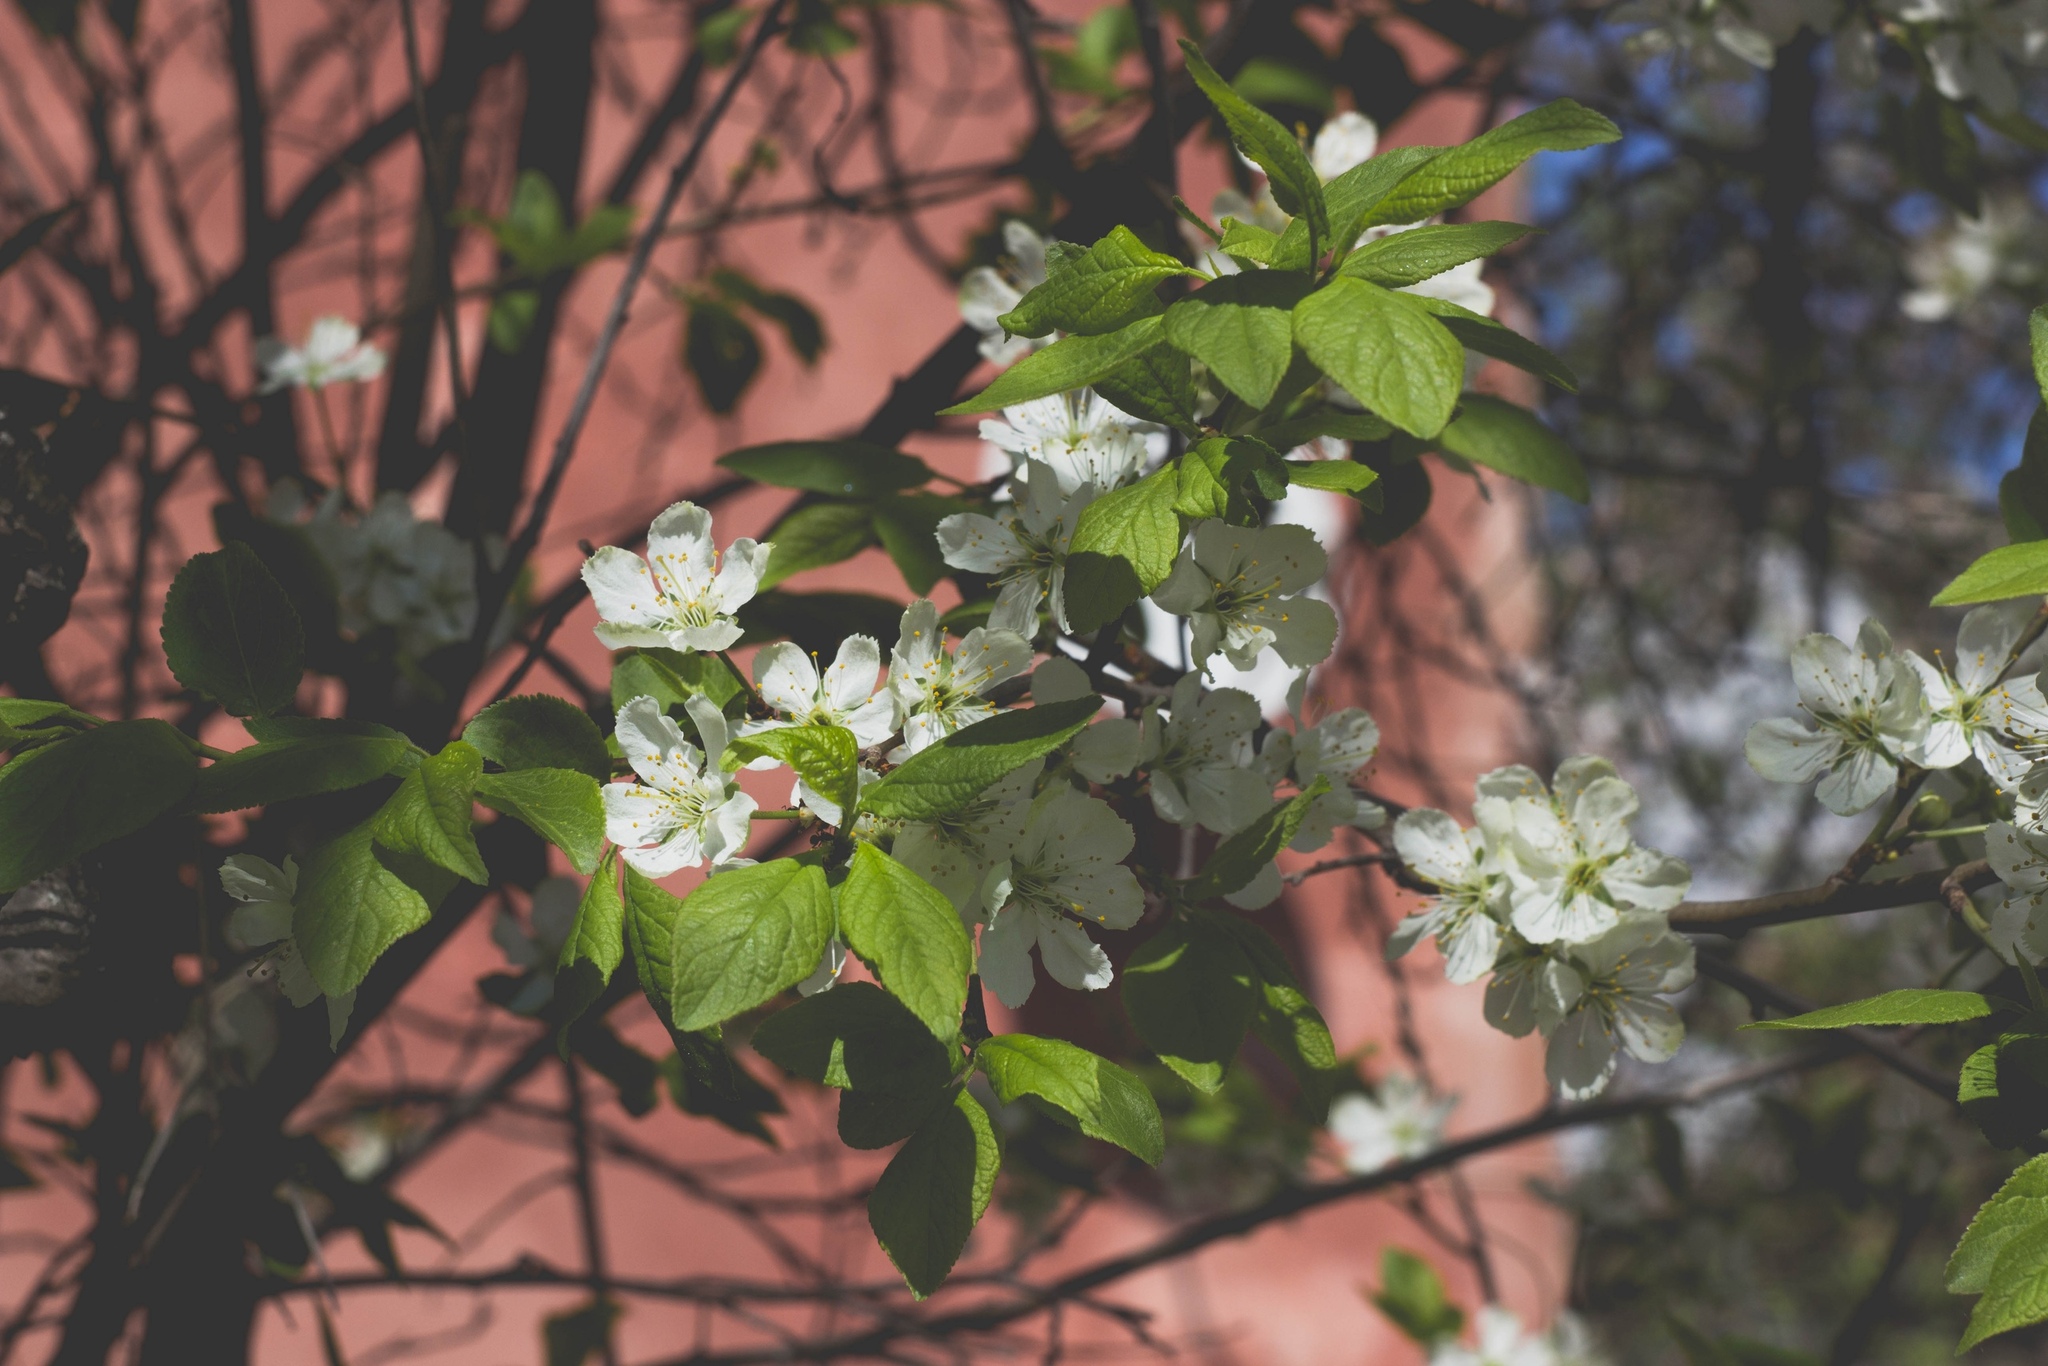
(334, 352)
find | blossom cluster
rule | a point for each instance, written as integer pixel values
(392, 568)
(1548, 892)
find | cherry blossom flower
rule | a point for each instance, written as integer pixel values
(688, 602)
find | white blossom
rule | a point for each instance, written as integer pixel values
(1335, 749)
(1610, 996)
(684, 811)
(1870, 712)
(954, 853)
(1401, 1120)
(1066, 867)
(2019, 856)
(1024, 544)
(831, 963)
(391, 567)
(1574, 869)
(1238, 586)
(1081, 437)
(1952, 268)
(1502, 1341)
(845, 694)
(1103, 752)
(1710, 37)
(265, 917)
(334, 353)
(1971, 712)
(1969, 42)
(688, 602)
(1199, 757)
(988, 292)
(1345, 141)
(938, 692)
(1471, 902)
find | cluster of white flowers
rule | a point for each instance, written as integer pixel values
(1399, 1121)
(1549, 892)
(1717, 39)
(391, 568)
(334, 352)
(1970, 44)
(1955, 266)
(1502, 1341)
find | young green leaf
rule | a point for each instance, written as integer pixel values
(908, 932)
(1489, 338)
(280, 770)
(1254, 245)
(1345, 426)
(1069, 363)
(1242, 328)
(1215, 477)
(230, 632)
(1190, 993)
(594, 949)
(351, 905)
(855, 1036)
(846, 469)
(933, 1192)
(651, 913)
(2037, 340)
(745, 935)
(1507, 437)
(1459, 174)
(560, 805)
(1297, 189)
(1104, 1100)
(1095, 291)
(1413, 1298)
(1409, 258)
(817, 534)
(826, 757)
(1386, 349)
(1359, 191)
(2016, 1290)
(1910, 1006)
(1336, 476)
(2018, 1205)
(1240, 858)
(1157, 385)
(671, 678)
(2023, 492)
(1123, 547)
(430, 814)
(2011, 571)
(1286, 1021)
(943, 778)
(538, 731)
(64, 798)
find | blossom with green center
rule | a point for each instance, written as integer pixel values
(1471, 902)
(1237, 587)
(1199, 756)
(688, 602)
(1573, 868)
(1401, 1121)
(939, 692)
(1970, 711)
(1026, 544)
(1065, 868)
(1078, 438)
(1871, 714)
(684, 811)
(1609, 998)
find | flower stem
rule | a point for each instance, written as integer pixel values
(754, 699)
(1952, 832)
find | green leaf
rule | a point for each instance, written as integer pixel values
(650, 915)
(2023, 492)
(1413, 1298)
(1503, 343)
(1242, 328)
(1337, 476)
(538, 731)
(595, 947)
(2018, 1205)
(744, 936)
(943, 778)
(2037, 340)
(879, 1119)
(280, 770)
(560, 805)
(933, 1192)
(848, 469)
(1240, 858)
(1190, 993)
(1409, 258)
(1361, 189)
(1504, 436)
(1910, 1006)
(1158, 385)
(1104, 1100)
(1345, 426)
(2016, 1291)
(1287, 1020)
(30, 713)
(854, 1036)
(908, 932)
(2011, 571)
(430, 813)
(1297, 189)
(230, 632)
(908, 528)
(1261, 246)
(817, 534)
(1386, 349)
(1069, 363)
(671, 678)
(1096, 290)
(721, 353)
(1123, 547)
(352, 904)
(1460, 174)
(826, 757)
(64, 798)
(1215, 477)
